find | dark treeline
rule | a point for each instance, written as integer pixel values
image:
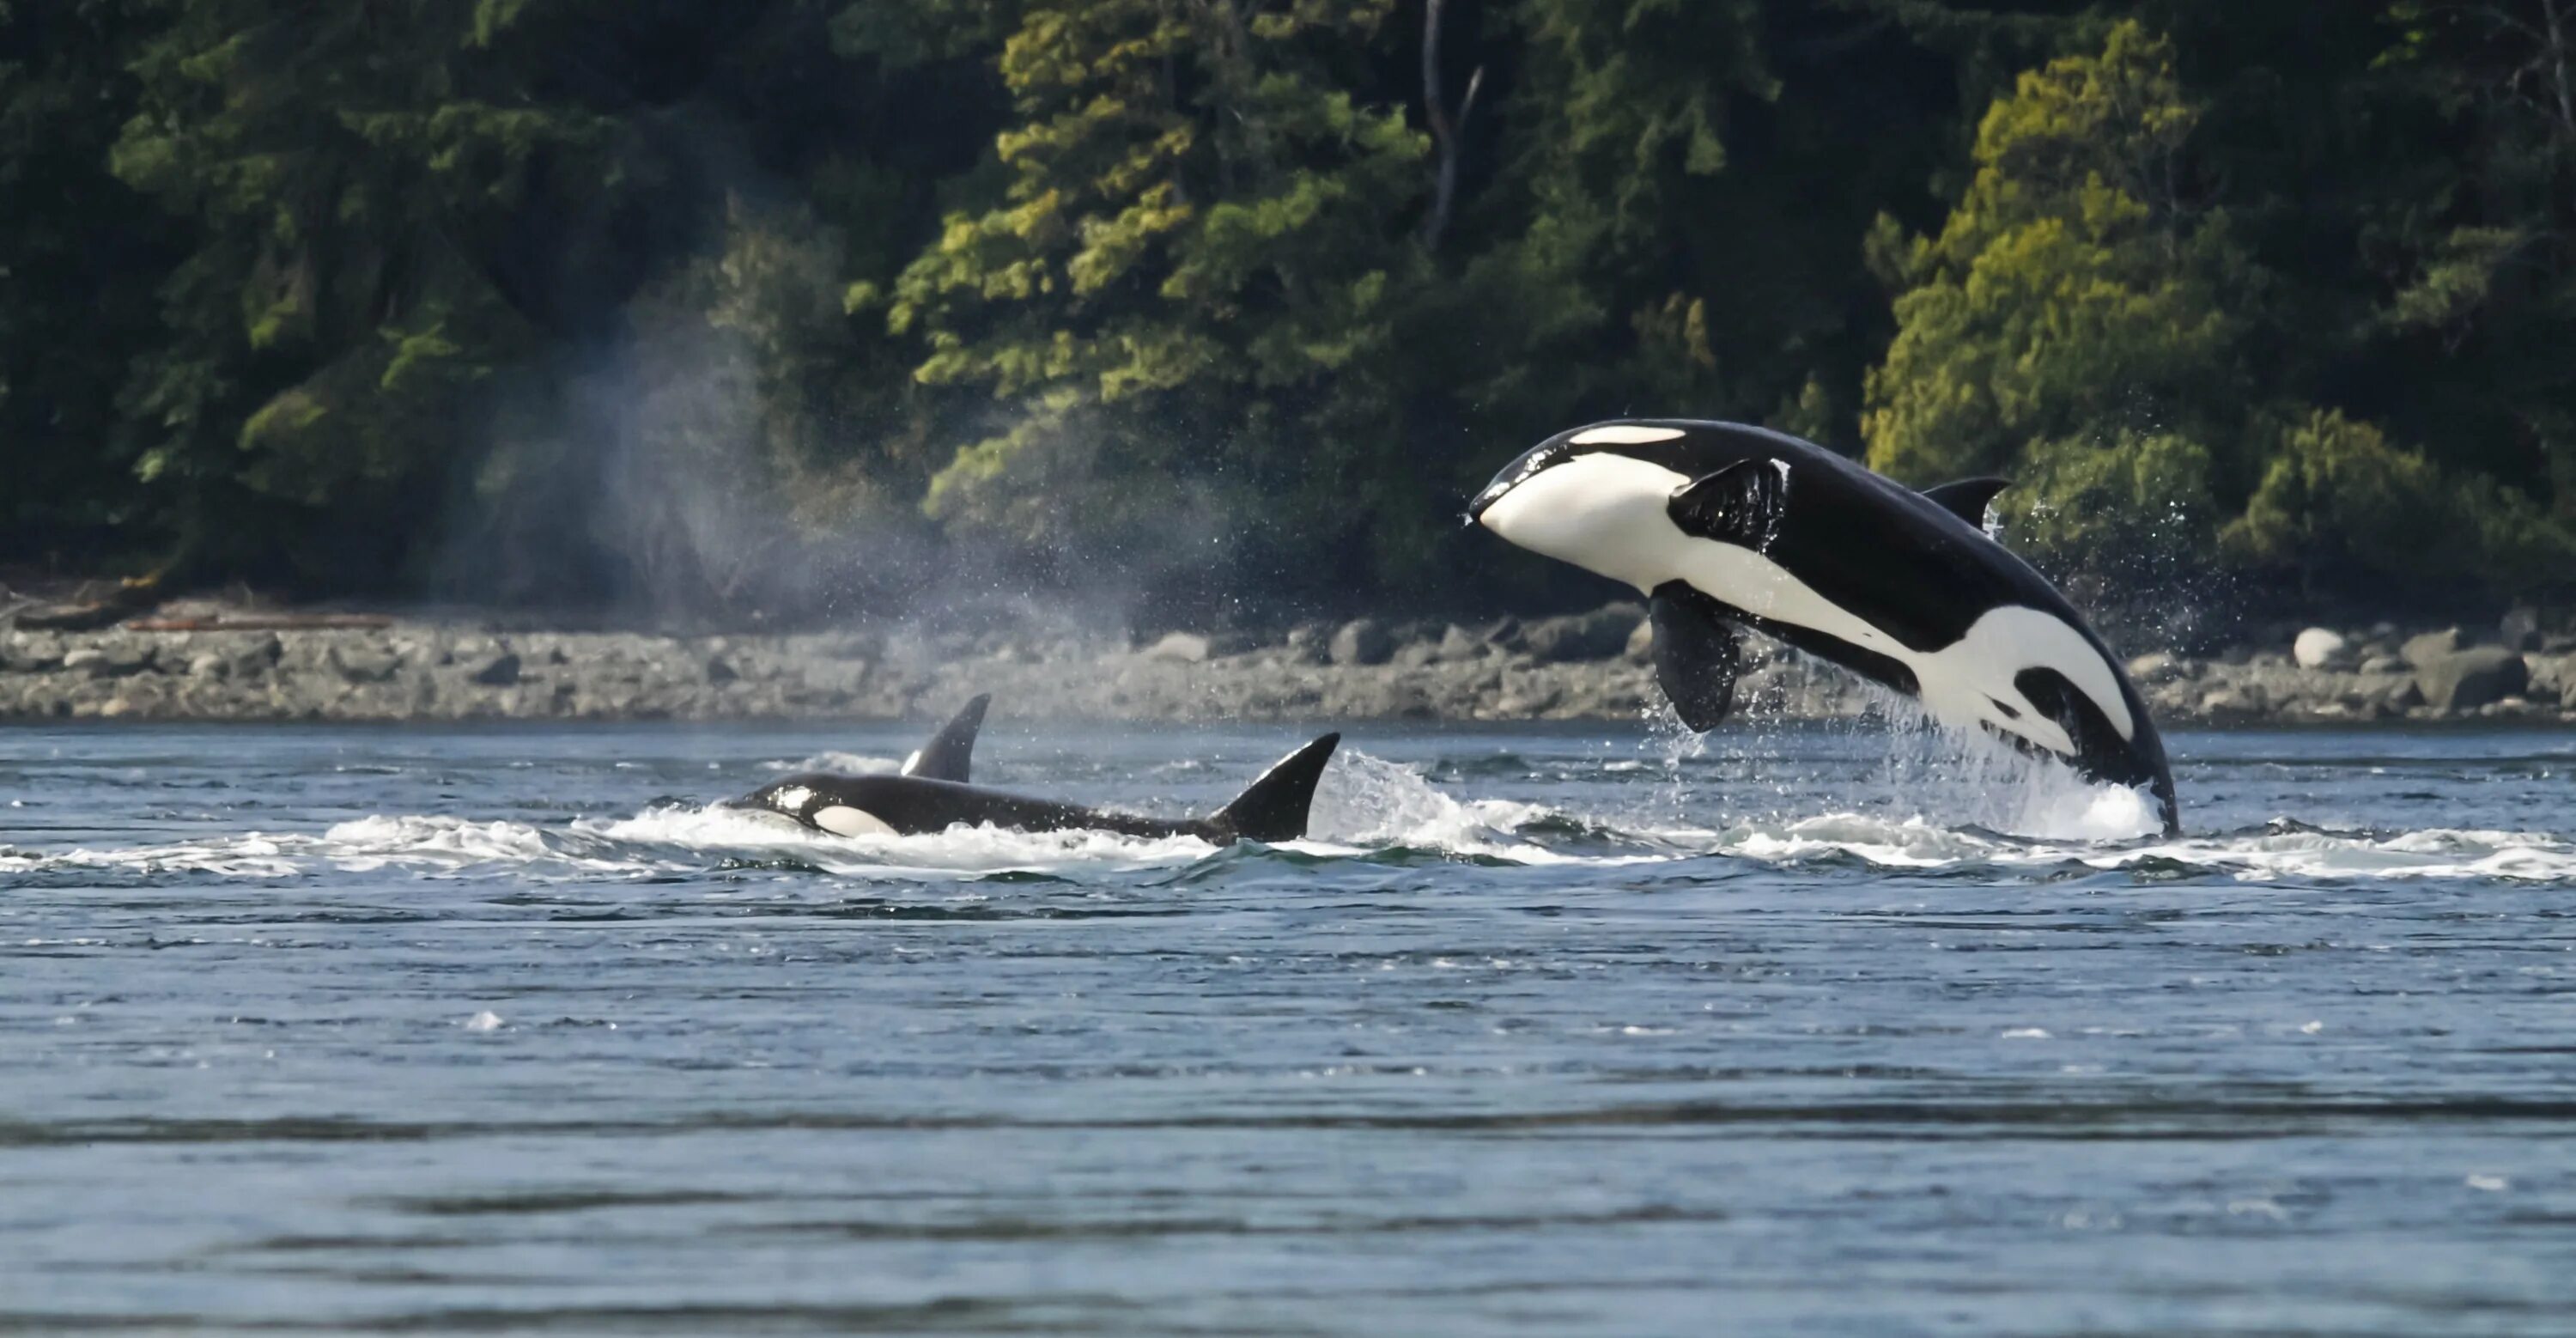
(815, 303)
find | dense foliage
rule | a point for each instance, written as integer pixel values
(824, 303)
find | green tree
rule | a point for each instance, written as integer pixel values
(2471, 253)
(331, 318)
(1190, 281)
(2076, 290)
(79, 258)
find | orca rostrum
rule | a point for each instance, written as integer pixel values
(1726, 526)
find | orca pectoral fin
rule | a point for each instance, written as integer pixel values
(1696, 659)
(1967, 498)
(1740, 504)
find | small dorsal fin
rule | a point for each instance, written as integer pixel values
(1740, 504)
(950, 754)
(1967, 498)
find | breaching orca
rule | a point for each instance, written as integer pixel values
(1722, 524)
(932, 795)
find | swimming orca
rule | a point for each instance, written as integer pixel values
(1724, 525)
(1273, 808)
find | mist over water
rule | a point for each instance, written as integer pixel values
(1567, 1030)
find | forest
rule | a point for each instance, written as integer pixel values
(826, 306)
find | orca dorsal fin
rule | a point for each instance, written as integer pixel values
(1740, 504)
(1274, 807)
(1967, 498)
(950, 754)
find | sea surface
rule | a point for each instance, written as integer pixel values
(1590, 1030)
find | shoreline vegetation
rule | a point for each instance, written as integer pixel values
(844, 307)
(1586, 666)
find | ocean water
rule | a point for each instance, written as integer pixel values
(1565, 1031)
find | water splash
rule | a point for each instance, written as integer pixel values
(1368, 802)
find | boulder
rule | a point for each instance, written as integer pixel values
(1599, 635)
(1457, 643)
(2383, 664)
(2322, 648)
(499, 671)
(1641, 643)
(208, 664)
(1179, 648)
(2468, 679)
(1310, 644)
(2431, 646)
(1363, 641)
(114, 658)
(2227, 704)
(364, 662)
(30, 652)
(2520, 628)
(719, 672)
(2158, 667)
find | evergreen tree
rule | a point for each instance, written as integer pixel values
(1190, 282)
(79, 257)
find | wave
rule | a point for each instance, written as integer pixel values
(2009, 817)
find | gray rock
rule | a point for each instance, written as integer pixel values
(2468, 679)
(1363, 641)
(2322, 648)
(1179, 648)
(364, 663)
(2383, 664)
(1417, 654)
(500, 671)
(2520, 628)
(2431, 646)
(1599, 635)
(2227, 704)
(1310, 644)
(1641, 643)
(31, 652)
(115, 658)
(1457, 643)
(2158, 667)
(718, 672)
(208, 664)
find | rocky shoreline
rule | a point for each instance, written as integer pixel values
(1579, 667)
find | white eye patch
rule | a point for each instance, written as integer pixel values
(1623, 434)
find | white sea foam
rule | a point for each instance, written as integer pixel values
(1368, 802)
